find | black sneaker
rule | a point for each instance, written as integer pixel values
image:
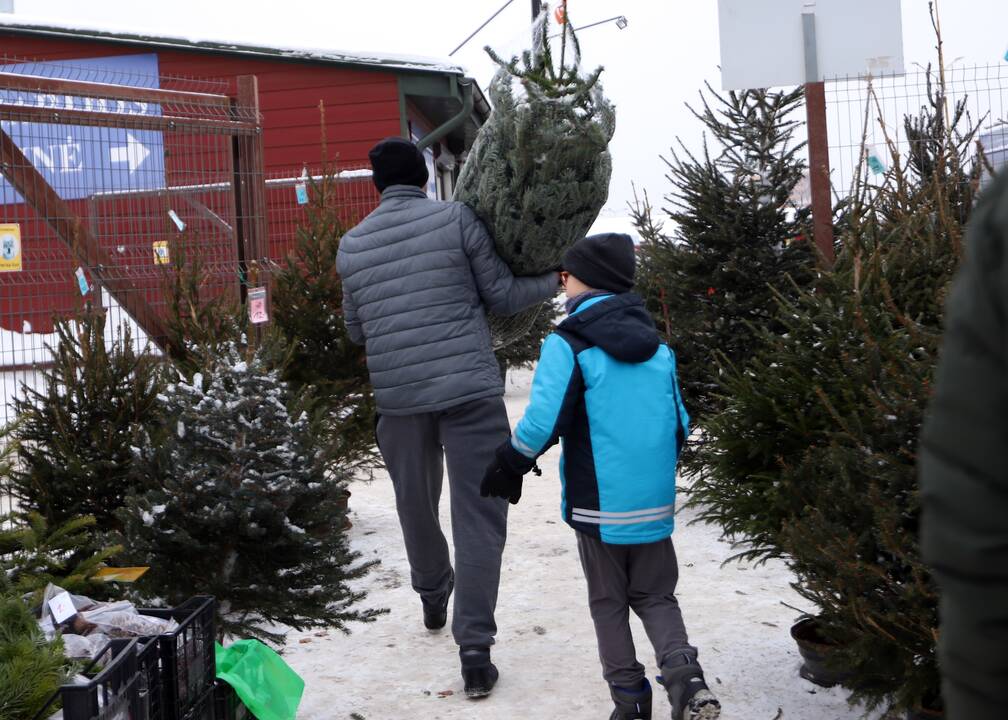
(435, 615)
(631, 705)
(478, 673)
(688, 693)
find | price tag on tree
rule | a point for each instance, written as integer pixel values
(301, 189)
(82, 282)
(62, 608)
(258, 313)
(179, 222)
(162, 255)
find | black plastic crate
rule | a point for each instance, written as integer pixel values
(202, 708)
(112, 692)
(188, 666)
(149, 680)
(227, 704)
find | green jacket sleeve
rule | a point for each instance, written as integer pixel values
(963, 466)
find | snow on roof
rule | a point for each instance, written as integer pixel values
(391, 61)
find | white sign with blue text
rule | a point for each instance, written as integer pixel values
(81, 161)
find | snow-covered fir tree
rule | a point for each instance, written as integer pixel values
(247, 511)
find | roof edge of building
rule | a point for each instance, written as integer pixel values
(373, 60)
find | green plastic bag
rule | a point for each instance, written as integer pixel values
(260, 677)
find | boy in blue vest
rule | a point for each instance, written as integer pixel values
(606, 387)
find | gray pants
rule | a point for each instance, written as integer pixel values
(641, 577)
(415, 448)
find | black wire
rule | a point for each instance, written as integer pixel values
(476, 31)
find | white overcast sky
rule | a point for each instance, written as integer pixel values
(657, 63)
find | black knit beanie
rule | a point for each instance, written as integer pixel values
(603, 262)
(397, 162)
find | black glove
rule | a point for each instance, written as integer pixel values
(503, 477)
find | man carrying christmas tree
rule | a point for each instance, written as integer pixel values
(418, 277)
(607, 386)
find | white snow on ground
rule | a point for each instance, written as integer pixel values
(395, 669)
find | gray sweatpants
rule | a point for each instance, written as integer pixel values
(641, 577)
(415, 448)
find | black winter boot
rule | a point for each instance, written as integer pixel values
(435, 614)
(687, 691)
(631, 705)
(478, 673)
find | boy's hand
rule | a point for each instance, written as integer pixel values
(499, 483)
(503, 478)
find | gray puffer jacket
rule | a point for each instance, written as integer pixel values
(417, 274)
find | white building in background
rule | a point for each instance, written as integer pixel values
(995, 146)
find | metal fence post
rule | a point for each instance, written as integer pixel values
(249, 185)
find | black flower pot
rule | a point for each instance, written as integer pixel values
(816, 652)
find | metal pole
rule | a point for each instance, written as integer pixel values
(476, 31)
(818, 143)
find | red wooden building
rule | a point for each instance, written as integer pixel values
(364, 99)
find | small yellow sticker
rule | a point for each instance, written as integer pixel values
(123, 574)
(161, 254)
(10, 247)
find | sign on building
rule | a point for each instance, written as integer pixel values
(10, 247)
(80, 161)
(995, 149)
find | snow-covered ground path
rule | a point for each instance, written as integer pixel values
(394, 669)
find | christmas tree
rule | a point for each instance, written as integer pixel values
(247, 509)
(31, 668)
(538, 172)
(317, 358)
(813, 454)
(33, 554)
(73, 438)
(201, 315)
(735, 235)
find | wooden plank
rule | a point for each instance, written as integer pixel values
(67, 225)
(84, 88)
(161, 123)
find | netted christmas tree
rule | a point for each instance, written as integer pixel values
(538, 172)
(813, 454)
(524, 351)
(73, 436)
(247, 509)
(317, 358)
(734, 234)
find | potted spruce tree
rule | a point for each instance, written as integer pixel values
(812, 459)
